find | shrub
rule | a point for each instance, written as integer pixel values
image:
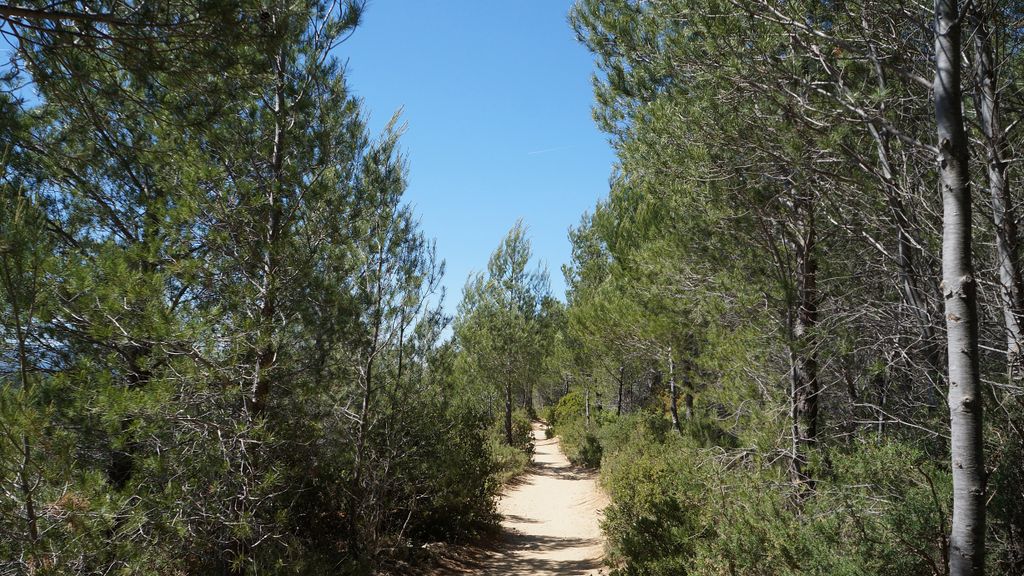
(511, 461)
(867, 515)
(570, 408)
(522, 431)
(581, 444)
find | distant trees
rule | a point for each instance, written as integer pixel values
(499, 327)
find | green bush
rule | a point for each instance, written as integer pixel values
(522, 431)
(462, 481)
(570, 408)
(657, 510)
(511, 461)
(547, 414)
(867, 515)
(581, 444)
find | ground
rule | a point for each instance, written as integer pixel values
(551, 521)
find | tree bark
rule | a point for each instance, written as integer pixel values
(986, 103)
(267, 356)
(673, 394)
(967, 536)
(586, 398)
(508, 414)
(804, 359)
(622, 379)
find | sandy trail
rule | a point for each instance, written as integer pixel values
(551, 520)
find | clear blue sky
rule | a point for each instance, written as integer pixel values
(497, 97)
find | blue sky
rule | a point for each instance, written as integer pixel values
(497, 98)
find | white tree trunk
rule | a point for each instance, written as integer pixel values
(967, 537)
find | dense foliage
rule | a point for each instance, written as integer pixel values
(755, 328)
(220, 322)
(224, 350)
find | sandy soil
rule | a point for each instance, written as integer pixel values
(551, 520)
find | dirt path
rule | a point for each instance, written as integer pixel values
(551, 519)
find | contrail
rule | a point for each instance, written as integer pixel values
(546, 150)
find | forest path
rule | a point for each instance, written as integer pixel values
(551, 519)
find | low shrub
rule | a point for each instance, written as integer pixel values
(570, 408)
(865, 516)
(511, 461)
(522, 431)
(580, 443)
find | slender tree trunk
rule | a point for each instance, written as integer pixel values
(905, 250)
(986, 102)
(673, 394)
(655, 382)
(687, 398)
(805, 386)
(508, 414)
(358, 538)
(267, 356)
(622, 381)
(882, 386)
(967, 537)
(586, 398)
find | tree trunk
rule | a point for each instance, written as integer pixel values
(267, 356)
(508, 414)
(673, 394)
(905, 248)
(357, 539)
(586, 399)
(986, 102)
(688, 401)
(622, 381)
(805, 385)
(967, 536)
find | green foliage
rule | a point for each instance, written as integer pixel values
(570, 408)
(522, 431)
(582, 447)
(501, 330)
(579, 440)
(226, 333)
(461, 480)
(866, 516)
(725, 261)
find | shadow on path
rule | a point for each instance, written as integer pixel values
(551, 521)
